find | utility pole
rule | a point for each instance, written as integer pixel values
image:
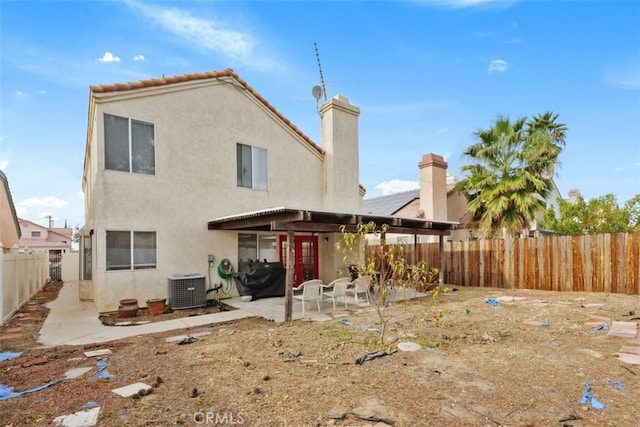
(50, 220)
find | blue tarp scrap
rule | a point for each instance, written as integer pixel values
(7, 355)
(619, 385)
(102, 366)
(493, 301)
(7, 392)
(588, 399)
(345, 321)
(599, 329)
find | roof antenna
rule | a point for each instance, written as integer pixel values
(321, 91)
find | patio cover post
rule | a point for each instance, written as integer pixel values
(288, 288)
(441, 272)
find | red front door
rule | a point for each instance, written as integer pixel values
(305, 263)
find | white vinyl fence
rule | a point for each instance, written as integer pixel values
(21, 276)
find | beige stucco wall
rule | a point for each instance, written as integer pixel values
(70, 267)
(196, 131)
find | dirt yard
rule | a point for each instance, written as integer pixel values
(520, 363)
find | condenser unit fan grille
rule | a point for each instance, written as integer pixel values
(187, 291)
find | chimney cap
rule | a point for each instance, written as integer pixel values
(431, 159)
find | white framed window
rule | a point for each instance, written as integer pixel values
(252, 167)
(129, 145)
(131, 250)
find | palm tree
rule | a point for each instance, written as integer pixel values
(547, 137)
(510, 177)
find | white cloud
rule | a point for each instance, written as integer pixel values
(42, 92)
(427, 106)
(109, 57)
(498, 66)
(138, 58)
(20, 93)
(46, 201)
(397, 186)
(625, 76)
(209, 35)
(618, 170)
(5, 157)
(440, 131)
(467, 3)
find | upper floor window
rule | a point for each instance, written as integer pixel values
(129, 145)
(252, 167)
(128, 250)
(35, 234)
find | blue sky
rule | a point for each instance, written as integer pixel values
(425, 74)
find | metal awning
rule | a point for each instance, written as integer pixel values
(309, 220)
(292, 220)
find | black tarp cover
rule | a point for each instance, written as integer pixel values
(261, 280)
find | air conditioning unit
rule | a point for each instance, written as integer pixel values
(188, 290)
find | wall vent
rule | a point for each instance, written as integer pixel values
(188, 290)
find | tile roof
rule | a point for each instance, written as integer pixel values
(34, 243)
(388, 205)
(164, 81)
(392, 203)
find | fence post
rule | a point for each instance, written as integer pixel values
(441, 272)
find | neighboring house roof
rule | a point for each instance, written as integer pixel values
(12, 208)
(66, 232)
(392, 203)
(35, 243)
(64, 237)
(389, 204)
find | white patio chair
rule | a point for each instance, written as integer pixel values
(311, 290)
(335, 290)
(360, 286)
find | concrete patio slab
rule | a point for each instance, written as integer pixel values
(74, 322)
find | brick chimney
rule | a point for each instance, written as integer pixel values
(433, 186)
(340, 142)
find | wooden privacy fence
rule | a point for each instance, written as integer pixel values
(596, 263)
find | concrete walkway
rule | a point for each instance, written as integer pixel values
(74, 322)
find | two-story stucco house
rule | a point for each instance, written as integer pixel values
(183, 172)
(165, 156)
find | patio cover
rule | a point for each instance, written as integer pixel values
(292, 220)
